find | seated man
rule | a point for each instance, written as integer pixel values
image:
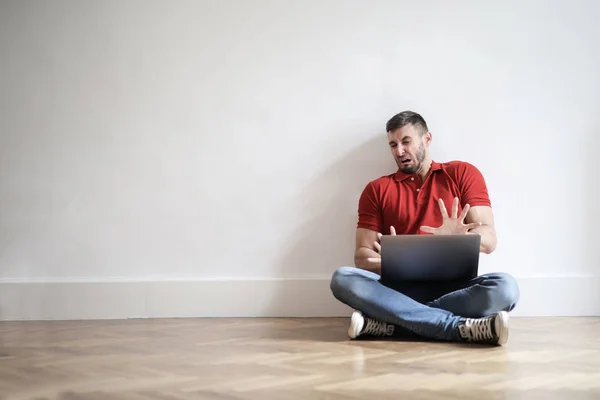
(413, 201)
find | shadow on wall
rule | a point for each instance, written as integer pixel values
(324, 240)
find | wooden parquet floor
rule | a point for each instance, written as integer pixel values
(233, 359)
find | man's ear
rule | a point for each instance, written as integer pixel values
(427, 137)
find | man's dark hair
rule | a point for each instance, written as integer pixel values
(405, 118)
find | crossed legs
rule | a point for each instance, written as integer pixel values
(473, 311)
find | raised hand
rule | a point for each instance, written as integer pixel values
(376, 261)
(452, 225)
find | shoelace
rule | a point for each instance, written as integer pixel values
(479, 329)
(375, 328)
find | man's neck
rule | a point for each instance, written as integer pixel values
(425, 168)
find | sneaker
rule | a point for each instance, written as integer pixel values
(363, 325)
(487, 330)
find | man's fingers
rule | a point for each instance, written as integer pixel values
(392, 230)
(443, 208)
(379, 236)
(377, 247)
(464, 213)
(455, 208)
(473, 225)
(374, 260)
(428, 229)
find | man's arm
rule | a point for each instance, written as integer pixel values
(485, 216)
(365, 250)
(474, 191)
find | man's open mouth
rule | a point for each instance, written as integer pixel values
(405, 160)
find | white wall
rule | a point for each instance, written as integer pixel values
(205, 157)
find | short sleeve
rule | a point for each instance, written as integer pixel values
(369, 210)
(472, 186)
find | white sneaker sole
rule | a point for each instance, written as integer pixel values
(501, 325)
(357, 322)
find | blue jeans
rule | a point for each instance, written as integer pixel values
(428, 310)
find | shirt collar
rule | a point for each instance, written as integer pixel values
(399, 176)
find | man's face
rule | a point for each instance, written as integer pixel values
(409, 148)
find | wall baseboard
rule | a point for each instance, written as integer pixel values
(540, 296)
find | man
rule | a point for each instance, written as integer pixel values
(413, 201)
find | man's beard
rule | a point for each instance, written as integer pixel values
(418, 163)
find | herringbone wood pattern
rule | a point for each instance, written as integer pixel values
(545, 358)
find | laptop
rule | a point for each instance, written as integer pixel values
(429, 257)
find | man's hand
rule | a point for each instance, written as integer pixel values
(375, 262)
(452, 225)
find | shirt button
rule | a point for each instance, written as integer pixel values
(412, 179)
(418, 190)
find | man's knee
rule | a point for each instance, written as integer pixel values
(506, 293)
(341, 280)
(350, 281)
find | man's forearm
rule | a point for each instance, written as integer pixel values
(488, 238)
(361, 260)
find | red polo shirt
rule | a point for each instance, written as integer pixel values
(404, 202)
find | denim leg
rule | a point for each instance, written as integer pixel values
(362, 291)
(482, 296)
